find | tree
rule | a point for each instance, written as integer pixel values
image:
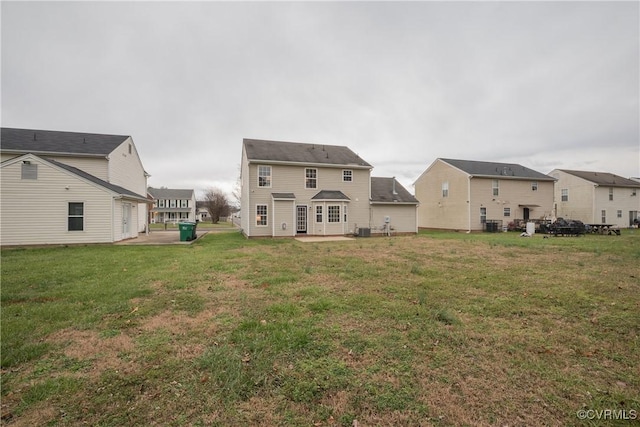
(216, 203)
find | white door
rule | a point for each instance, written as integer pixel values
(126, 219)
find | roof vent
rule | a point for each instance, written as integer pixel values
(34, 137)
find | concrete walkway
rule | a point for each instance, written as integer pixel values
(161, 237)
(315, 239)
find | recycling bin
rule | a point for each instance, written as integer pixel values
(187, 231)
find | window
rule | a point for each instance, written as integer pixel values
(184, 203)
(333, 213)
(29, 170)
(344, 210)
(565, 194)
(310, 178)
(496, 187)
(261, 215)
(611, 194)
(173, 203)
(161, 203)
(76, 216)
(130, 148)
(603, 213)
(264, 176)
(318, 213)
(347, 175)
(619, 214)
(483, 215)
(507, 211)
(534, 185)
(445, 189)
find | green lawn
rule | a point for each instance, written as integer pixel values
(435, 329)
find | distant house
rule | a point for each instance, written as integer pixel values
(468, 195)
(172, 205)
(290, 189)
(596, 197)
(69, 187)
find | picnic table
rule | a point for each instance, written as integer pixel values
(609, 229)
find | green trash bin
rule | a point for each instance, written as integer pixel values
(187, 231)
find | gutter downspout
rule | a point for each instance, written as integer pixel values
(469, 201)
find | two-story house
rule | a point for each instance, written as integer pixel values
(172, 205)
(290, 189)
(467, 195)
(596, 197)
(70, 187)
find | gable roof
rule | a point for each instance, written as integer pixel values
(81, 174)
(295, 152)
(497, 170)
(170, 193)
(603, 178)
(48, 142)
(382, 191)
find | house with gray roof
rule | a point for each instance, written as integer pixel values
(596, 197)
(75, 187)
(470, 195)
(291, 188)
(172, 205)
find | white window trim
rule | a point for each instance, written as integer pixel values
(315, 180)
(329, 214)
(270, 176)
(343, 175)
(266, 215)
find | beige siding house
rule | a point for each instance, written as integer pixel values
(290, 189)
(467, 195)
(596, 197)
(83, 188)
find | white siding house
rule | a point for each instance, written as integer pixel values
(596, 197)
(173, 205)
(83, 188)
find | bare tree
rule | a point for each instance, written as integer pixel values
(236, 192)
(217, 203)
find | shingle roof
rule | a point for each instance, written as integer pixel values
(115, 188)
(295, 152)
(382, 191)
(330, 195)
(55, 142)
(170, 193)
(498, 170)
(283, 196)
(604, 178)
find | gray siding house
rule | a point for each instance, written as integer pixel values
(290, 189)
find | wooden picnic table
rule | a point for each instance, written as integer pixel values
(609, 229)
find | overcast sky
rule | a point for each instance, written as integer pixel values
(544, 84)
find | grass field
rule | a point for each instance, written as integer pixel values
(440, 329)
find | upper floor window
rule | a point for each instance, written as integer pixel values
(310, 178)
(76, 217)
(534, 185)
(496, 187)
(611, 193)
(161, 203)
(172, 203)
(633, 192)
(445, 189)
(29, 170)
(564, 194)
(264, 176)
(347, 175)
(184, 203)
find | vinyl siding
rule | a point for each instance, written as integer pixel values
(126, 170)
(283, 214)
(586, 200)
(512, 194)
(36, 211)
(435, 211)
(403, 218)
(291, 179)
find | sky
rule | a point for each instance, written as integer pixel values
(543, 84)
